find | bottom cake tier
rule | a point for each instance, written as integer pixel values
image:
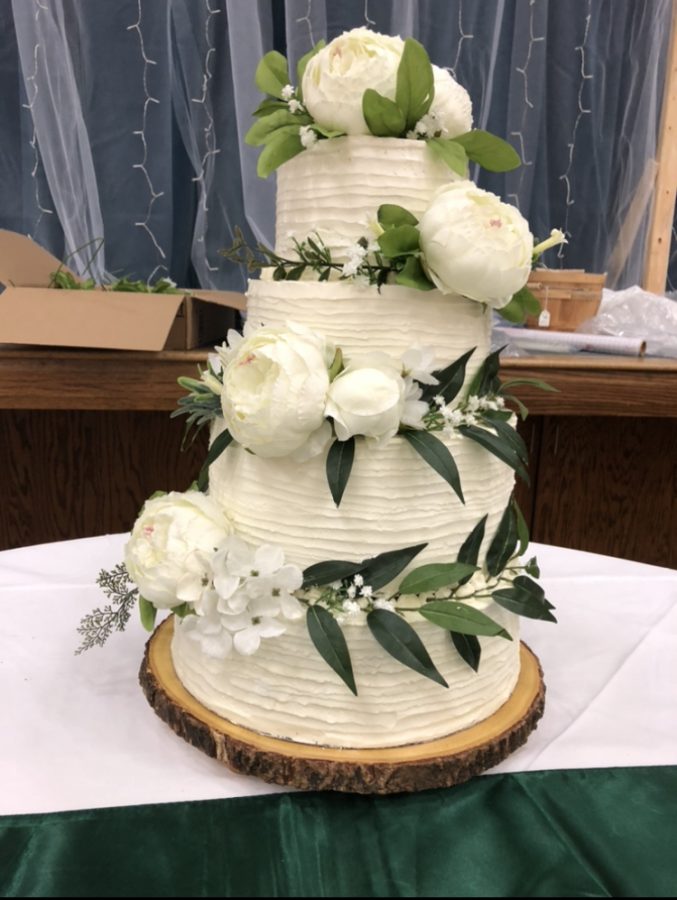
(444, 762)
(286, 690)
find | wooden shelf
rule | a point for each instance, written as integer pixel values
(86, 436)
(126, 381)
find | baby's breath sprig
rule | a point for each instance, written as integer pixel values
(313, 254)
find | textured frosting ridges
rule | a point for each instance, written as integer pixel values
(359, 318)
(336, 188)
(393, 499)
(287, 691)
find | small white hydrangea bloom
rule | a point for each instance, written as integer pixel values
(287, 93)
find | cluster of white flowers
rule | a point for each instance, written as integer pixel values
(307, 135)
(182, 551)
(248, 597)
(427, 127)
(277, 397)
(467, 414)
(357, 254)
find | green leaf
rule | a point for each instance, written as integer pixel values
(400, 640)
(303, 63)
(413, 275)
(470, 548)
(532, 587)
(336, 364)
(267, 107)
(272, 74)
(532, 568)
(450, 153)
(185, 609)
(281, 147)
(438, 457)
(330, 643)
(399, 241)
(512, 438)
(523, 601)
(532, 382)
(503, 545)
(382, 569)
(522, 304)
(415, 83)
(522, 527)
(497, 446)
(328, 572)
(486, 380)
(450, 380)
(339, 464)
(469, 649)
(491, 152)
(383, 117)
(262, 130)
(219, 444)
(326, 132)
(523, 411)
(390, 216)
(462, 619)
(148, 613)
(434, 576)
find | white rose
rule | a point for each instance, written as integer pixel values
(168, 554)
(274, 390)
(336, 78)
(475, 245)
(451, 106)
(368, 398)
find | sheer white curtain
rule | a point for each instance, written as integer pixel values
(125, 121)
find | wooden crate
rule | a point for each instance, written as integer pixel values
(570, 296)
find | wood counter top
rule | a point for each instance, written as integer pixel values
(41, 379)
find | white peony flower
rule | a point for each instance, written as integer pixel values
(274, 389)
(367, 398)
(168, 553)
(475, 245)
(336, 78)
(451, 109)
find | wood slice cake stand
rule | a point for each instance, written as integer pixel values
(414, 767)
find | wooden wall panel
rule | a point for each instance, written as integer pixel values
(74, 474)
(609, 486)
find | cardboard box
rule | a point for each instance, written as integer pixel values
(33, 313)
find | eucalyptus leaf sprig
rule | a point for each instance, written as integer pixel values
(202, 403)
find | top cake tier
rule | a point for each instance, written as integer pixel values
(336, 188)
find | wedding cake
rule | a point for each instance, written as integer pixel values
(349, 571)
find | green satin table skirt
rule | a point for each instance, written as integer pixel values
(575, 833)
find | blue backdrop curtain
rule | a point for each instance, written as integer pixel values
(125, 121)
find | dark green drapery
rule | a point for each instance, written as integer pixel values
(592, 833)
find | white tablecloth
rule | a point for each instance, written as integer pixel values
(77, 732)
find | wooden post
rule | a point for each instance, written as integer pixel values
(658, 243)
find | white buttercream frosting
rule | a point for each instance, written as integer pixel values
(393, 498)
(359, 318)
(336, 188)
(286, 690)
